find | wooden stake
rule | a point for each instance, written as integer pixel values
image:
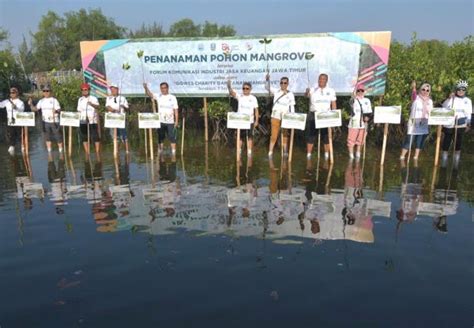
(69, 148)
(238, 145)
(292, 136)
(182, 134)
(331, 153)
(438, 142)
(153, 103)
(206, 135)
(384, 143)
(115, 143)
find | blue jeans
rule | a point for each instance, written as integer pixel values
(418, 140)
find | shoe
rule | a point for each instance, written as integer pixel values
(308, 155)
(402, 158)
(60, 150)
(357, 154)
(326, 155)
(285, 154)
(11, 150)
(444, 157)
(415, 158)
(249, 153)
(22, 149)
(351, 156)
(270, 154)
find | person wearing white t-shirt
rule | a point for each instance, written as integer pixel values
(361, 109)
(87, 106)
(168, 110)
(463, 107)
(322, 99)
(12, 105)
(283, 102)
(116, 103)
(418, 121)
(50, 109)
(248, 104)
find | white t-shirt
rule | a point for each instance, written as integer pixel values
(48, 106)
(166, 106)
(320, 99)
(359, 107)
(87, 110)
(7, 104)
(118, 104)
(463, 107)
(418, 122)
(247, 105)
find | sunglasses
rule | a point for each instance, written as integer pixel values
(13, 91)
(245, 88)
(283, 82)
(427, 90)
(84, 89)
(46, 90)
(360, 90)
(461, 89)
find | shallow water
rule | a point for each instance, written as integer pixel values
(201, 241)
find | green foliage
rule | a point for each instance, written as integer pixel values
(11, 72)
(217, 109)
(56, 43)
(187, 28)
(67, 92)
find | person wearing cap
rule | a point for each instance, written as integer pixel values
(168, 110)
(418, 121)
(322, 99)
(283, 102)
(463, 107)
(12, 105)
(116, 103)
(50, 109)
(87, 106)
(248, 104)
(361, 109)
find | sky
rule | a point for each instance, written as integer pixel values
(448, 20)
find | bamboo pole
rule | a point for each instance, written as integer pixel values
(69, 148)
(150, 131)
(206, 135)
(438, 143)
(115, 143)
(238, 145)
(331, 152)
(384, 143)
(292, 136)
(182, 134)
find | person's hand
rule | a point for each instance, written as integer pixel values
(30, 101)
(229, 83)
(267, 77)
(176, 125)
(307, 91)
(451, 95)
(468, 128)
(413, 84)
(366, 119)
(145, 85)
(255, 125)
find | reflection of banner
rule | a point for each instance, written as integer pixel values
(379, 208)
(387, 114)
(70, 119)
(114, 120)
(293, 121)
(238, 121)
(328, 119)
(441, 116)
(149, 121)
(201, 67)
(23, 119)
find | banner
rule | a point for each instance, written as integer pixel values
(22, 119)
(441, 116)
(328, 119)
(70, 119)
(114, 120)
(238, 121)
(200, 67)
(387, 114)
(149, 121)
(293, 121)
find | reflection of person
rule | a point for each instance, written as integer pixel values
(463, 107)
(56, 178)
(418, 121)
(440, 224)
(247, 105)
(168, 110)
(322, 99)
(50, 109)
(411, 194)
(361, 108)
(13, 105)
(116, 103)
(283, 102)
(87, 106)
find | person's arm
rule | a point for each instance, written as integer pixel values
(57, 106)
(267, 84)
(257, 117)
(307, 93)
(333, 101)
(176, 113)
(32, 105)
(292, 103)
(94, 103)
(147, 91)
(108, 106)
(232, 92)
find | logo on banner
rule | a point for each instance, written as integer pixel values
(213, 46)
(225, 48)
(201, 47)
(249, 46)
